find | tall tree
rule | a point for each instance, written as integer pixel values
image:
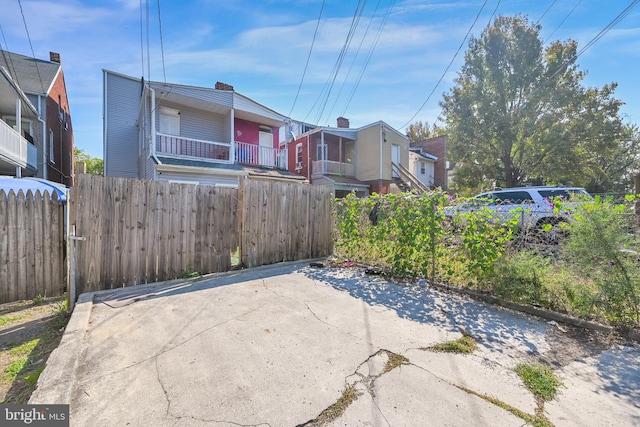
(518, 113)
(95, 165)
(419, 131)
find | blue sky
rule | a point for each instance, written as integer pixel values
(399, 51)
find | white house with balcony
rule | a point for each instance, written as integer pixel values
(179, 133)
(18, 153)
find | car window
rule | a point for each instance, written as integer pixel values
(564, 193)
(514, 197)
(486, 199)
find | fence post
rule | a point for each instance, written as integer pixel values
(241, 254)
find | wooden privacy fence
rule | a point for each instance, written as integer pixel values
(31, 245)
(145, 231)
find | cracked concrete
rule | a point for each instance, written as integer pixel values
(274, 346)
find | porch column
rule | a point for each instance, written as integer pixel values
(340, 155)
(19, 116)
(232, 143)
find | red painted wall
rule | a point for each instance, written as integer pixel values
(246, 131)
(61, 170)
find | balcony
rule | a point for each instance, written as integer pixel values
(255, 155)
(177, 146)
(13, 148)
(220, 152)
(330, 167)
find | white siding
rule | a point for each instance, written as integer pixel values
(121, 105)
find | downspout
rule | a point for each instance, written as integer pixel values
(308, 161)
(19, 129)
(153, 128)
(45, 162)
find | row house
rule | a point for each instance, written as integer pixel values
(369, 159)
(179, 133)
(36, 135)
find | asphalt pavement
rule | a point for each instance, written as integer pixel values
(290, 345)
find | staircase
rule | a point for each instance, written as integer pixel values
(406, 181)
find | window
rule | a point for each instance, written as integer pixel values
(51, 150)
(322, 151)
(423, 168)
(514, 197)
(169, 121)
(24, 124)
(299, 156)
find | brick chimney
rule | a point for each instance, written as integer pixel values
(343, 123)
(55, 57)
(223, 86)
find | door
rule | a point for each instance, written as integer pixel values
(267, 152)
(395, 158)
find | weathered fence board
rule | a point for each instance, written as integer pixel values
(144, 231)
(31, 246)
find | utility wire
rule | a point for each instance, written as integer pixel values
(562, 22)
(366, 63)
(164, 73)
(31, 45)
(448, 66)
(141, 38)
(9, 61)
(306, 65)
(336, 68)
(546, 11)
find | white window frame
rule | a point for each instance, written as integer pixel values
(299, 155)
(51, 150)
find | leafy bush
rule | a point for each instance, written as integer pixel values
(601, 250)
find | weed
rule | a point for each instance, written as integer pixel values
(349, 395)
(39, 299)
(12, 371)
(24, 349)
(464, 344)
(394, 361)
(8, 319)
(539, 380)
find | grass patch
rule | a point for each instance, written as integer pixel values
(349, 395)
(22, 361)
(539, 380)
(24, 349)
(465, 344)
(394, 361)
(11, 372)
(534, 420)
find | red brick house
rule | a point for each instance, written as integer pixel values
(36, 118)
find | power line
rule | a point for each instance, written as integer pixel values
(546, 11)
(336, 68)
(562, 22)
(448, 66)
(141, 40)
(366, 63)
(353, 60)
(9, 61)
(31, 45)
(306, 65)
(164, 74)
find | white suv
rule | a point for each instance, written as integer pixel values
(533, 205)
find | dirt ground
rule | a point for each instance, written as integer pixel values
(29, 332)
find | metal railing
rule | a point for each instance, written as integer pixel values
(179, 146)
(256, 155)
(330, 167)
(407, 177)
(13, 146)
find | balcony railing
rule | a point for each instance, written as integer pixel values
(13, 147)
(255, 155)
(177, 146)
(329, 167)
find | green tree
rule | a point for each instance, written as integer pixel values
(95, 166)
(419, 131)
(518, 113)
